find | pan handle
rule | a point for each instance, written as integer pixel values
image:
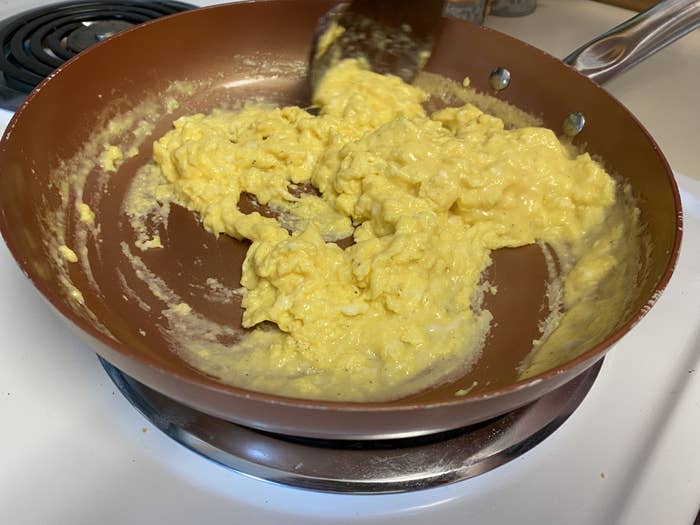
(634, 40)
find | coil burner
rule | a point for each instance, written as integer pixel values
(36, 42)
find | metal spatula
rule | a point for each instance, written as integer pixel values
(393, 36)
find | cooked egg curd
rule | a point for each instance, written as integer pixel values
(426, 198)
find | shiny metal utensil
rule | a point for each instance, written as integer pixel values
(634, 40)
(394, 36)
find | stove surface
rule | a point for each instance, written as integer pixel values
(75, 451)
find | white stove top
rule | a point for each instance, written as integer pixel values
(73, 451)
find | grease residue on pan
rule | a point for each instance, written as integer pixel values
(75, 222)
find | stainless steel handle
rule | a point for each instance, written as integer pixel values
(634, 40)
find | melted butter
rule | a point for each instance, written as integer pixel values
(426, 197)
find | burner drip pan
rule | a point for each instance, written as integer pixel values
(361, 467)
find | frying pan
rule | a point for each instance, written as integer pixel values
(208, 51)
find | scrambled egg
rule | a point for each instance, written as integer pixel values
(426, 198)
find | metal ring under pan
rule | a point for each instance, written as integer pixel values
(360, 467)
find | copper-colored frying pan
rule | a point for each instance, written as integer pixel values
(207, 45)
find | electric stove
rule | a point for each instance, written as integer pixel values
(617, 448)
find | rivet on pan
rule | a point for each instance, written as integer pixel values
(573, 124)
(499, 78)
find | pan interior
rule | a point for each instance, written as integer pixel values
(136, 289)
